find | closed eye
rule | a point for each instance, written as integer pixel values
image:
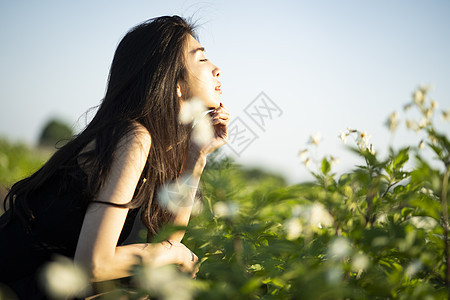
(204, 59)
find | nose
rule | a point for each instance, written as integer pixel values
(217, 71)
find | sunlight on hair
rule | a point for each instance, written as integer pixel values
(62, 278)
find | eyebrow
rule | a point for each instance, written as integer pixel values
(198, 49)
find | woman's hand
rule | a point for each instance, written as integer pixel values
(173, 252)
(220, 117)
(187, 260)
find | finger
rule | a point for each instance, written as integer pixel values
(220, 109)
(189, 265)
(220, 122)
(194, 273)
(221, 115)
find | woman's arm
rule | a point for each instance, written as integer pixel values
(190, 176)
(194, 164)
(102, 225)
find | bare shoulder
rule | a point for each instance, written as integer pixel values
(137, 140)
(129, 159)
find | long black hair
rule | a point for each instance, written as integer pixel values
(147, 65)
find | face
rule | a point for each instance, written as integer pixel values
(202, 78)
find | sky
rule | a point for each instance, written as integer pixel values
(290, 69)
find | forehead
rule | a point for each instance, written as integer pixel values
(193, 46)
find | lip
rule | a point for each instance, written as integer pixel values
(217, 88)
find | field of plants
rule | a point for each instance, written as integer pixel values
(379, 231)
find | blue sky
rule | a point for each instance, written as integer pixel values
(327, 65)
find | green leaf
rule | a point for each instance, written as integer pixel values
(326, 167)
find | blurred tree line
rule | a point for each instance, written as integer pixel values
(19, 160)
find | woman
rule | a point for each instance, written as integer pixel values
(82, 202)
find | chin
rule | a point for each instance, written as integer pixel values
(212, 104)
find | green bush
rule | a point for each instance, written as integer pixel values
(18, 160)
(379, 231)
(55, 132)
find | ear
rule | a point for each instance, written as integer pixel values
(179, 93)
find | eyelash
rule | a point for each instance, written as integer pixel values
(205, 59)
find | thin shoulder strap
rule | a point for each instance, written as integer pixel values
(110, 203)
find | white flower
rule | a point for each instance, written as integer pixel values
(421, 144)
(302, 154)
(197, 208)
(422, 222)
(434, 104)
(176, 194)
(306, 162)
(429, 113)
(339, 248)
(297, 210)
(203, 132)
(362, 139)
(225, 209)
(446, 115)
(63, 279)
(319, 216)
(334, 160)
(382, 218)
(165, 282)
(419, 98)
(426, 191)
(192, 110)
(371, 149)
(407, 107)
(195, 111)
(413, 268)
(423, 123)
(343, 136)
(393, 121)
(360, 262)
(413, 125)
(293, 228)
(426, 87)
(315, 138)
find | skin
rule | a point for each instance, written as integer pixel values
(96, 248)
(201, 83)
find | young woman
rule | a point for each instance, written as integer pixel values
(83, 201)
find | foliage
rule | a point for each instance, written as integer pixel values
(379, 231)
(18, 160)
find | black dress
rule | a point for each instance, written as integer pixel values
(59, 209)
